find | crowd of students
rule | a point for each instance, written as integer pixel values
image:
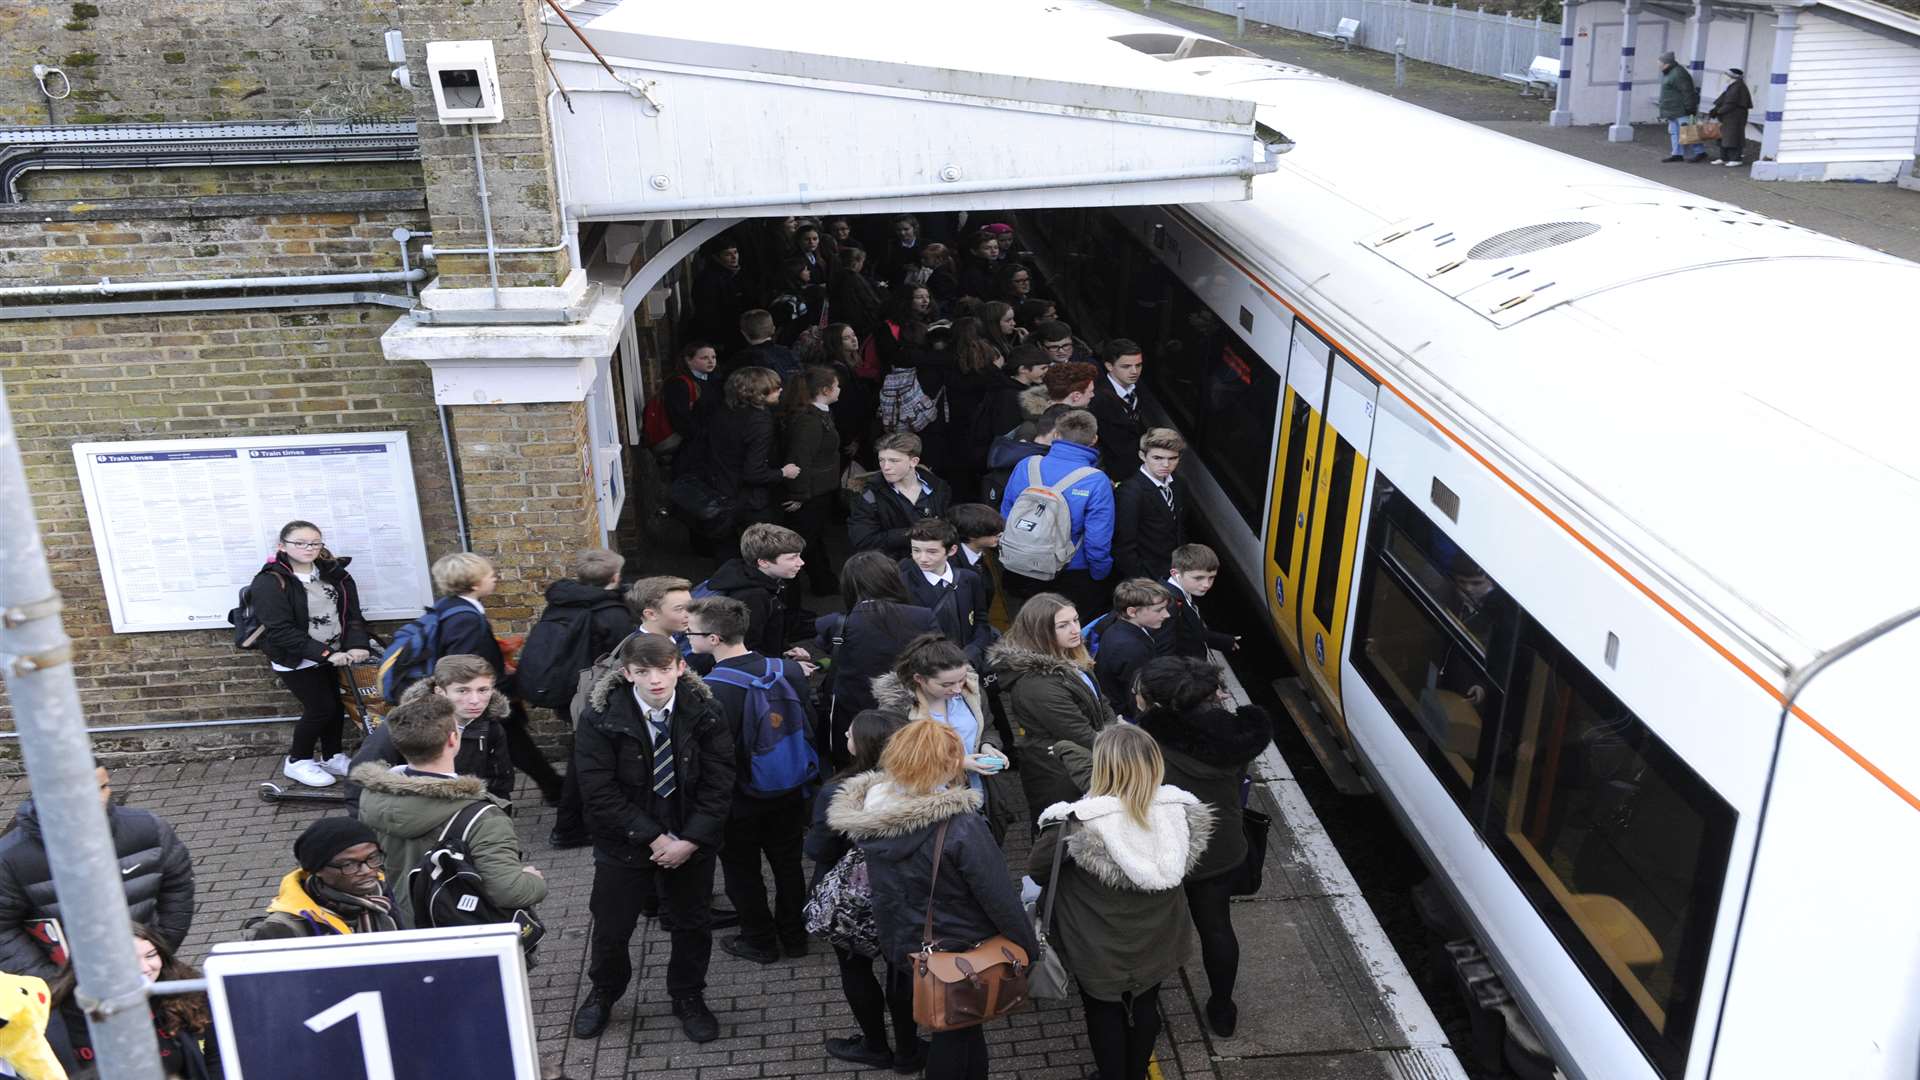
(927, 413)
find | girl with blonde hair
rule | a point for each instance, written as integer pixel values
(1119, 913)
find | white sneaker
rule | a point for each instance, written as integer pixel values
(338, 764)
(307, 772)
(1734, 164)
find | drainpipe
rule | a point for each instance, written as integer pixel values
(486, 216)
(109, 287)
(36, 661)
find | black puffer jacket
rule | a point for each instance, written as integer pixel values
(155, 868)
(613, 751)
(1207, 751)
(483, 749)
(976, 897)
(280, 603)
(881, 516)
(612, 622)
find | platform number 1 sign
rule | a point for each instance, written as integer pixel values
(411, 1005)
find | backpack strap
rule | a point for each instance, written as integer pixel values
(1033, 471)
(464, 821)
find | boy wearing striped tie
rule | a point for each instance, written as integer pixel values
(656, 770)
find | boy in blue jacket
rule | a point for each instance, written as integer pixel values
(1089, 505)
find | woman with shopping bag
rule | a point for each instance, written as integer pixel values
(1119, 917)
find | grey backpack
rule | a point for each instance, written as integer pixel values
(1038, 542)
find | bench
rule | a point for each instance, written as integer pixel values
(1343, 33)
(1544, 73)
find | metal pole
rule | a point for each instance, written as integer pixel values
(36, 661)
(1622, 128)
(486, 215)
(1239, 20)
(1562, 115)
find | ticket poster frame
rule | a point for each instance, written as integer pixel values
(206, 606)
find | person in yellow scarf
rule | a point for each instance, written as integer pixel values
(340, 886)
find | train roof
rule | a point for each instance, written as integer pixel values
(1725, 398)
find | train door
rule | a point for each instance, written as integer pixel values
(1332, 539)
(1293, 458)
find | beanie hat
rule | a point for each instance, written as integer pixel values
(1736, 73)
(328, 837)
(1666, 58)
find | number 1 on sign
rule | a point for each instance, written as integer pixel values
(376, 1056)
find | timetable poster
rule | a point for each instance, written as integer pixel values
(180, 526)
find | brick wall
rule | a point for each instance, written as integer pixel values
(520, 176)
(160, 61)
(180, 376)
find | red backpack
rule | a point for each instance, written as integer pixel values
(655, 427)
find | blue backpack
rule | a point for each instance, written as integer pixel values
(773, 728)
(704, 589)
(411, 654)
(1090, 633)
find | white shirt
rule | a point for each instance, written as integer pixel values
(647, 712)
(943, 578)
(477, 605)
(973, 557)
(821, 407)
(1121, 388)
(1156, 481)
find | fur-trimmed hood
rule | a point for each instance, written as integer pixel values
(609, 680)
(875, 813)
(1006, 658)
(1121, 854)
(1211, 734)
(375, 777)
(1034, 401)
(496, 708)
(891, 694)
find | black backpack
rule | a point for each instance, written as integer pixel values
(556, 651)
(247, 629)
(444, 887)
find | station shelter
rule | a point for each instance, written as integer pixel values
(1835, 83)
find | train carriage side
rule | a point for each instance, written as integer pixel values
(1589, 838)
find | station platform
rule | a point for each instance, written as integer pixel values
(1322, 994)
(1884, 217)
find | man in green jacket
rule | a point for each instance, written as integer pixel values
(1679, 101)
(408, 805)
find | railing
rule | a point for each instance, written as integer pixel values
(1467, 39)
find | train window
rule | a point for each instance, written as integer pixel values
(1333, 531)
(1427, 613)
(1239, 399)
(1618, 843)
(1293, 463)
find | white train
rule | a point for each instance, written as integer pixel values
(1554, 478)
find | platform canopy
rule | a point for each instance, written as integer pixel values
(755, 108)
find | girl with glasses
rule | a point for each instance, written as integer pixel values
(309, 612)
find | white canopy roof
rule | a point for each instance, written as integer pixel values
(768, 107)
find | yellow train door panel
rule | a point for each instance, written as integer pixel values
(1293, 467)
(1333, 525)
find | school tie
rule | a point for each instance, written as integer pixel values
(1166, 492)
(663, 780)
(1133, 411)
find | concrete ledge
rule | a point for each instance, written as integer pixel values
(510, 364)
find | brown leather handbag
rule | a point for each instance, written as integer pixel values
(953, 990)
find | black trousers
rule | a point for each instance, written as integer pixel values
(571, 821)
(958, 1055)
(1123, 1033)
(812, 521)
(686, 895)
(527, 756)
(1210, 902)
(321, 714)
(775, 829)
(873, 1003)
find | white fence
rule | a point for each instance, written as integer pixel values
(1450, 35)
